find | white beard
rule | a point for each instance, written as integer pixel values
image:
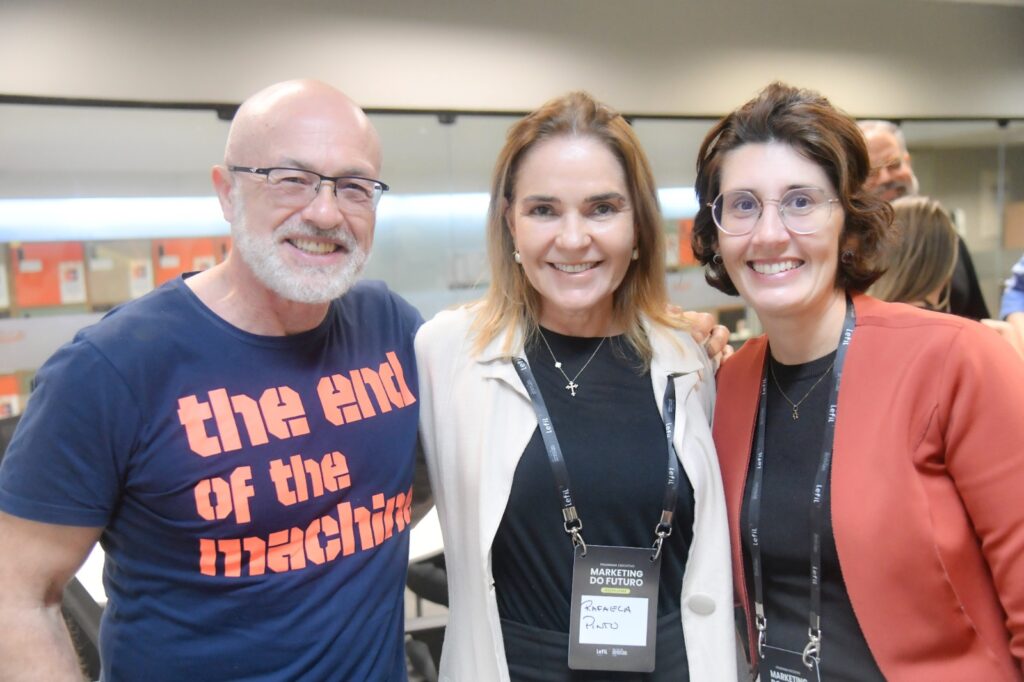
(309, 284)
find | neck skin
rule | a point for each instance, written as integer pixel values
(590, 323)
(234, 294)
(794, 340)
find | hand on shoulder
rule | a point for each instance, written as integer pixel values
(713, 337)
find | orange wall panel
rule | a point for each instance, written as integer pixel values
(172, 257)
(48, 273)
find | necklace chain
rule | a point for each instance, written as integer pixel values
(571, 386)
(796, 405)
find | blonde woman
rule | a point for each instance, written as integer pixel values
(576, 323)
(920, 267)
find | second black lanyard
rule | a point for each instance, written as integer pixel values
(812, 651)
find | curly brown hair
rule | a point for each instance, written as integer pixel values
(809, 123)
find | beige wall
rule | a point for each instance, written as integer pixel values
(873, 57)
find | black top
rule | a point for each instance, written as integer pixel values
(965, 298)
(613, 442)
(792, 453)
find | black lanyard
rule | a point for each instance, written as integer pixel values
(821, 481)
(572, 523)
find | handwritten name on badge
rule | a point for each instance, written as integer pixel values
(613, 620)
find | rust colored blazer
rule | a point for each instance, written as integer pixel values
(927, 489)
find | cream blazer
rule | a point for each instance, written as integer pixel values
(476, 420)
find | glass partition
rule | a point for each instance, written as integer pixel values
(100, 204)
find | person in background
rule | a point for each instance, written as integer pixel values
(892, 177)
(575, 324)
(920, 265)
(871, 452)
(1012, 307)
(240, 441)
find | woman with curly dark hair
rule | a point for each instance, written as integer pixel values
(872, 453)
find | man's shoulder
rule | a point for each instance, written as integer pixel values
(373, 298)
(143, 320)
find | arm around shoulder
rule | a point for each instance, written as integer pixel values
(36, 561)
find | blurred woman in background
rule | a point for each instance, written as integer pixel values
(920, 265)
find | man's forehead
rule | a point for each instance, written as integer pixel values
(304, 119)
(882, 147)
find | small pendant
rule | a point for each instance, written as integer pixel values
(571, 387)
(796, 414)
(558, 365)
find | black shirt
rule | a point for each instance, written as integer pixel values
(965, 298)
(613, 441)
(793, 450)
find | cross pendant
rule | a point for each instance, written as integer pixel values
(571, 387)
(796, 414)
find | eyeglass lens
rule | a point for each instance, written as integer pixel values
(803, 210)
(299, 188)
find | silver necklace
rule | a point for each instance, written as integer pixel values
(796, 405)
(572, 385)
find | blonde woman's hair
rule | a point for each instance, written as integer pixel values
(511, 302)
(924, 256)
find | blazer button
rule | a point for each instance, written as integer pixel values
(701, 604)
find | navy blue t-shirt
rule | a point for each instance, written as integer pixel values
(254, 491)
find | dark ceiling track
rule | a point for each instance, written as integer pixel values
(225, 111)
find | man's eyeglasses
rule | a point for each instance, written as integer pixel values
(296, 188)
(893, 165)
(803, 210)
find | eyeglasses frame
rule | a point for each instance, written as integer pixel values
(778, 206)
(265, 172)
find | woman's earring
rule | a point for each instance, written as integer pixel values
(847, 257)
(516, 257)
(636, 254)
(717, 259)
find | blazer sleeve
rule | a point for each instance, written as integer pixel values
(983, 429)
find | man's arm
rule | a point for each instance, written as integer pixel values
(422, 495)
(36, 561)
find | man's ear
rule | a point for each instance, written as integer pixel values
(223, 184)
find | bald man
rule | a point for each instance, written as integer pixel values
(893, 177)
(240, 441)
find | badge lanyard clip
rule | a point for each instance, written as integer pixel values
(573, 526)
(812, 652)
(661, 531)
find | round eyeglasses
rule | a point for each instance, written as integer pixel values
(296, 188)
(803, 210)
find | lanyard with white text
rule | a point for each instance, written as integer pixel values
(573, 524)
(821, 480)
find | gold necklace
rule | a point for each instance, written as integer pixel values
(572, 385)
(796, 405)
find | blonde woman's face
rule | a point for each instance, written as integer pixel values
(573, 225)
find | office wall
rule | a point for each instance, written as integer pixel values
(873, 57)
